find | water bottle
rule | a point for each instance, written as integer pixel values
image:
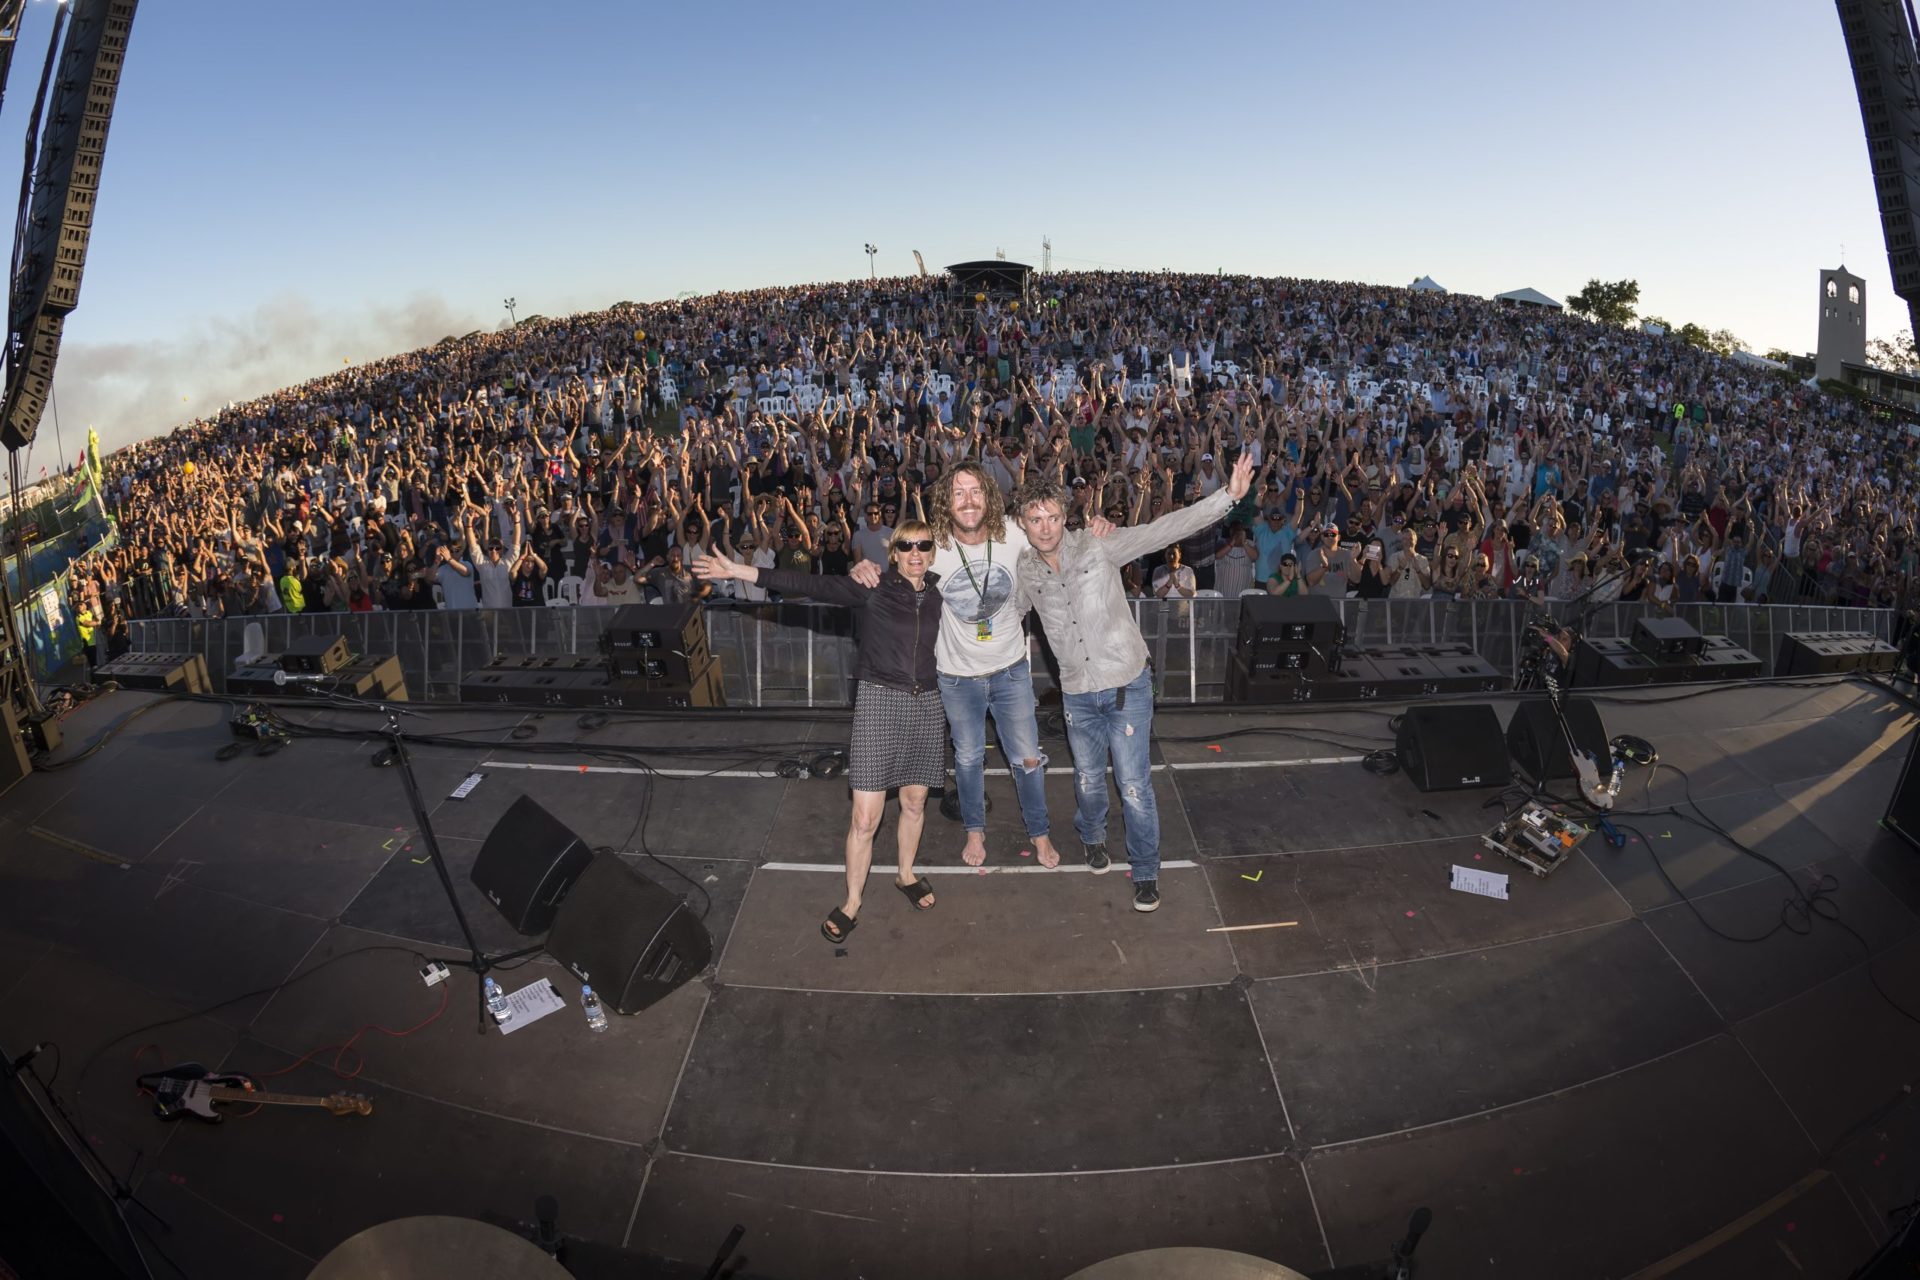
(497, 1003)
(596, 1016)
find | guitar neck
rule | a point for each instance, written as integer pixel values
(223, 1093)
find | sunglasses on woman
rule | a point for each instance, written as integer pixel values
(916, 544)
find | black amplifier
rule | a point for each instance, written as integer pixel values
(315, 655)
(1311, 620)
(1667, 639)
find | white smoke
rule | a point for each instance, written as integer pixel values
(130, 391)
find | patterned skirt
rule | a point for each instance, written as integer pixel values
(899, 739)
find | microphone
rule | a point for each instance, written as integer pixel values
(282, 678)
(27, 1057)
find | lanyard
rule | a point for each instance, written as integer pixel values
(968, 566)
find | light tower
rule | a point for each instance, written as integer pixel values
(1046, 255)
(871, 250)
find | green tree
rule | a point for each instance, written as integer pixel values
(1665, 324)
(1779, 355)
(1608, 303)
(1896, 354)
(1724, 342)
(1693, 335)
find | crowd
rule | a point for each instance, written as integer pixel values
(1404, 445)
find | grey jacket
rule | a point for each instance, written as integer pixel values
(1083, 606)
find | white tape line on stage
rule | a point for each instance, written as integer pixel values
(1057, 771)
(1174, 864)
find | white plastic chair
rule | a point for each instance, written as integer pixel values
(255, 646)
(570, 588)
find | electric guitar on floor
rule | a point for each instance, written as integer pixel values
(191, 1090)
(1597, 790)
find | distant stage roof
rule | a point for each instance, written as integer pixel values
(995, 277)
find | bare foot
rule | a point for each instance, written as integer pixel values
(975, 851)
(1045, 853)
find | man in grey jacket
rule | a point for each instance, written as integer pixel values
(1073, 582)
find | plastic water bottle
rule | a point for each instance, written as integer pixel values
(497, 1003)
(596, 1016)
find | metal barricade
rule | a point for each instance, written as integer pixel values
(804, 655)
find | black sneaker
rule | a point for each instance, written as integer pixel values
(1146, 895)
(1097, 860)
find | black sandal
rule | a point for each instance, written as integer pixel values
(917, 893)
(840, 921)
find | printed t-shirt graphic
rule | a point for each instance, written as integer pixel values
(977, 591)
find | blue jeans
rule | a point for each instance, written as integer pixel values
(1008, 695)
(1097, 730)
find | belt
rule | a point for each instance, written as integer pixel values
(988, 675)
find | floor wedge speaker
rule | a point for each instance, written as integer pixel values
(631, 939)
(1452, 748)
(1540, 748)
(528, 864)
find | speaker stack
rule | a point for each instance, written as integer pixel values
(373, 678)
(1289, 650)
(1661, 651)
(161, 672)
(1819, 653)
(614, 928)
(654, 657)
(1284, 642)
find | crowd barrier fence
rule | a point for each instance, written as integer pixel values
(802, 655)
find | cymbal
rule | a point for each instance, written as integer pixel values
(434, 1247)
(1186, 1264)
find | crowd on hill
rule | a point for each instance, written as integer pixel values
(1405, 444)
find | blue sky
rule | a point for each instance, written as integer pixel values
(287, 186)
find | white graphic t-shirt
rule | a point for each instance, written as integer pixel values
(980, 629)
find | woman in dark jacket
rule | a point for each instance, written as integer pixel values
(899, 726)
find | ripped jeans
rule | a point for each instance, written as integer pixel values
(1008, 696)
(1098, 730)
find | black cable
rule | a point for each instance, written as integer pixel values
(112, 731)
(1798, 910)
(1382, 762)
(639, 829)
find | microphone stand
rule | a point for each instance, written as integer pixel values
(476, 960)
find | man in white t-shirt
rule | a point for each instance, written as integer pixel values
(981, 653)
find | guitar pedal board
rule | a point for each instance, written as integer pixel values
(1537, 838)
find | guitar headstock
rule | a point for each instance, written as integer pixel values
(349, 1104)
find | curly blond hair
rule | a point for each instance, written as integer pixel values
(941, 517)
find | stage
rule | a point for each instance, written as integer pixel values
(1581, 1081)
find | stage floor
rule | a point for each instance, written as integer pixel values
(1581, 1081)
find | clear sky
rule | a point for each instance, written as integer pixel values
(288, 186)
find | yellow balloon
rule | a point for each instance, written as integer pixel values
(639, 335)
(979, 297)
(1013, 306)
(188, 468)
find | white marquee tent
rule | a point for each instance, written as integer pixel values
(1426, 284)
(1530, 297)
